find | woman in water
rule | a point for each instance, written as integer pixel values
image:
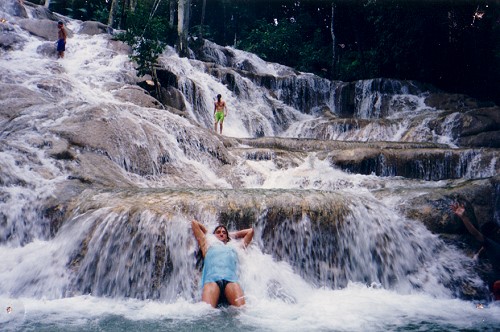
(220, 267)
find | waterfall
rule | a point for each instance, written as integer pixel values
(139, 244)
(347, 186)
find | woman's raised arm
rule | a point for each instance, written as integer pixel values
(246, 234)
(199, 232)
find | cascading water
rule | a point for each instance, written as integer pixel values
(98, 186)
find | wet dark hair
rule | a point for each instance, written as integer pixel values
(225, 228)
(60, 23)
(219, 96)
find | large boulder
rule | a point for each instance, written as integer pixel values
(481, 128)
(433, 208)
(119, 46)
(454, 102)
(44, 28)
(13, 7)
(9, 40)
(428, 164)
(490, 139)
(472, 123)
(138, 96)
(94, 28)
(48, 49)
(15, 99)
(378, 93)
(42, 12)
(172, 97)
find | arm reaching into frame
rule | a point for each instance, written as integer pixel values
(459, 210)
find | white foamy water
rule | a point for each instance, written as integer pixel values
(248, 112)
(36, 269)
(305, 308)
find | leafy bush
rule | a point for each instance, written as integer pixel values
(148, 40)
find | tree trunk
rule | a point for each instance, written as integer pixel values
(132, 5)
(112, 13)
(359, 42)
(334, 42)
(183, 27)
(171, 19)
(204, 6)
(156, 82)
(123, 14)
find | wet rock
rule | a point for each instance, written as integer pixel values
(210, 52)
(138, 96)
(378, 93)
(480, 120)
(119, 46)
(308, 145)
(95, 170)
(433, 208)
(490, 139)
(135, 145)
(93, 28)
(42, 12)
(470, 124)
(44, 28)
(480, 128)
(426, 164)
(454, 102)
(166, 78)
(56, 87)
(9, 40)
(48, 50)
(16, 98)
(13, 7)
(172, 97)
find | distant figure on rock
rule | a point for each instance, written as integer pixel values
(489, 246)
(220, 267)
(220, 112)
(61, 40)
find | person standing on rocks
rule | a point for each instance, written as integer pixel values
(220, 112)
(61, 40)
(489, 246)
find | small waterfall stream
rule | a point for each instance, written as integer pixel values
(99, 183)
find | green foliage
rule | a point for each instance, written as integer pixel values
(274, 42)
(430, 41)
(146, 52)
(146, 35)
(85, 10)
(101, 14)
(206, 31)
(284, 43)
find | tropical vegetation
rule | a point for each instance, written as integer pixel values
(453, 44)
